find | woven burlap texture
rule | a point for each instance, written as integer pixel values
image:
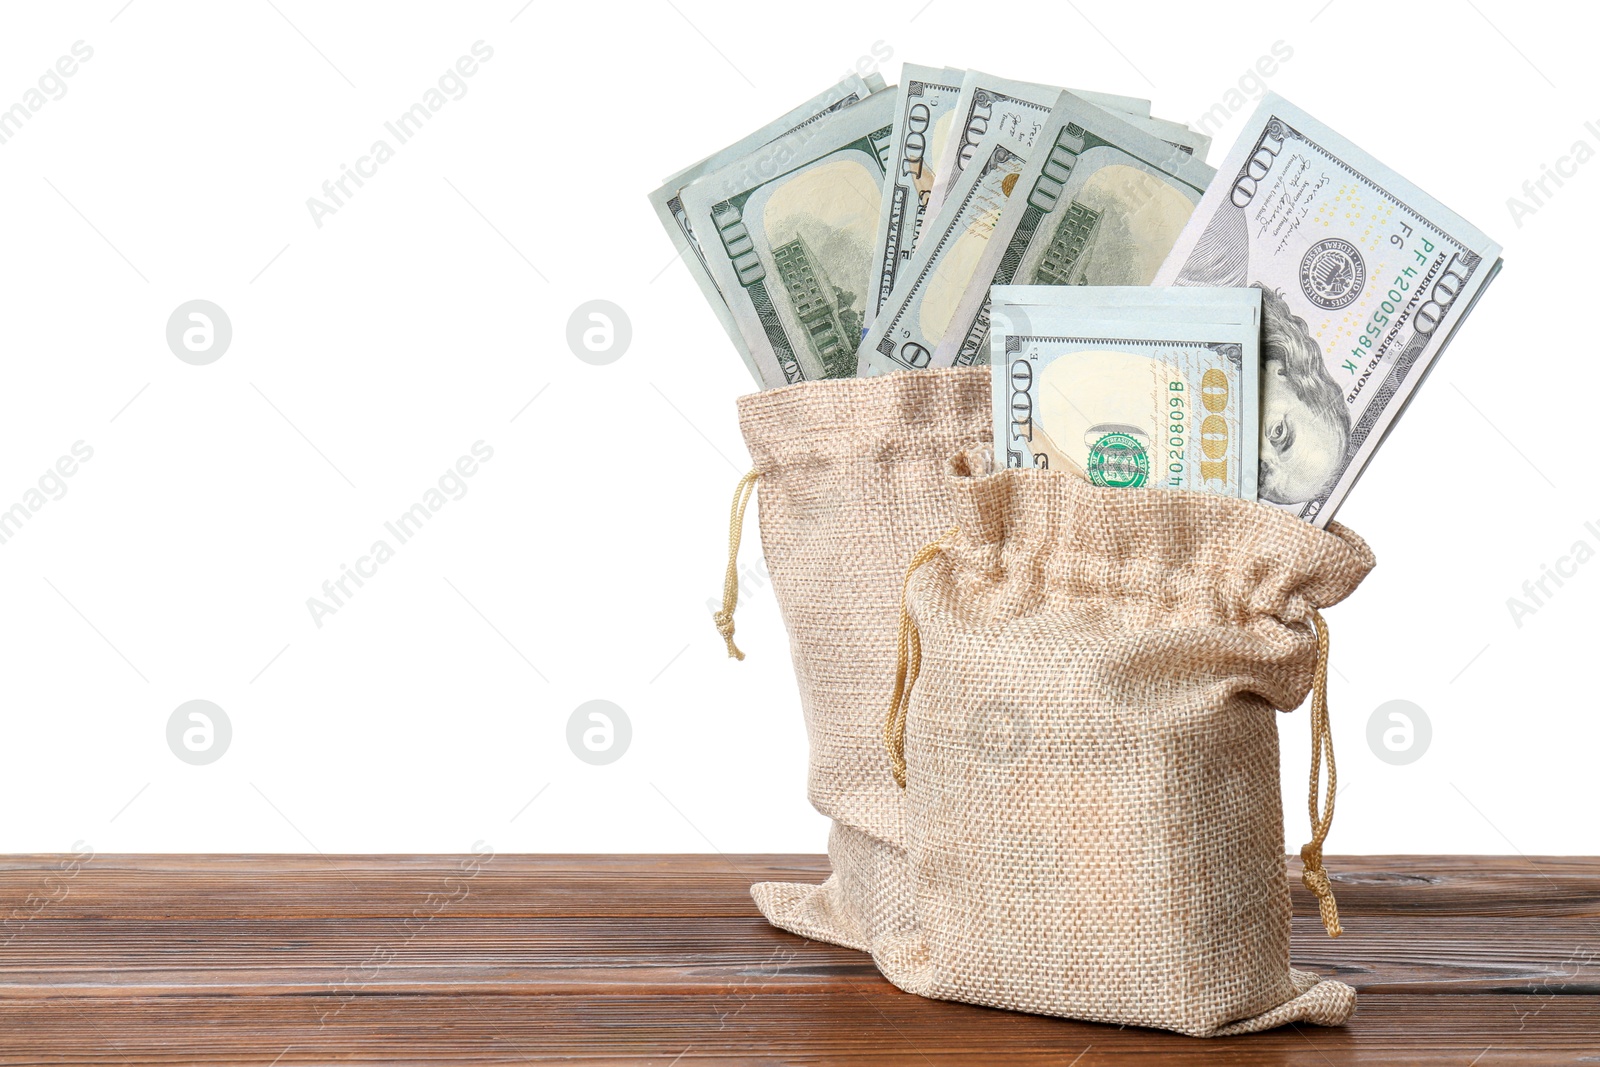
(851, 484)
(1094, 822)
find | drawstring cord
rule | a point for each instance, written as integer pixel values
(907, 665)
(1314, 877)
(730, 581)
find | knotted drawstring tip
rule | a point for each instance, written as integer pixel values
(724, 620)
(1314, 878)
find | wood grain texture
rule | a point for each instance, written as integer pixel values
(146, 960)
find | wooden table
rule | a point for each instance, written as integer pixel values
(285, 960)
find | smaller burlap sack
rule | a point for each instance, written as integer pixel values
(851, 481)
(1094, 822)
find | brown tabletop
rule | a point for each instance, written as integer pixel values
(293, 960)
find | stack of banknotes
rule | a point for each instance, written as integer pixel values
(1253, 330)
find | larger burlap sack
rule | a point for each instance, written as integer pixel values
(1090, 751)
(851, 484)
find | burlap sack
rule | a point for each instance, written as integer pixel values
(1094, 820)
(851, 484)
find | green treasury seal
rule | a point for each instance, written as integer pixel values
(1119, 461)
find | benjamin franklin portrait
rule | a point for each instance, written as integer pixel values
(1305, 423)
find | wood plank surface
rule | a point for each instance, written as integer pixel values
(268, 959)
(826, 1028)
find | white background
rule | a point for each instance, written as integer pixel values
(428, 311)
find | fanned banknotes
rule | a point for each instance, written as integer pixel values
(787, 232)
(924, 114)
(1097, 202)
(793, 292)
(1364, 279)
(1129, 386)
(668, 202)
(1103, 205)
(1010, 110)
(918, 311)
(1083, 242)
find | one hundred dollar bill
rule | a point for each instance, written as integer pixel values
(999, 106)
(1101, 204)
(787, 232)
(1174, 304)
(1364, 280)
(919, 309)
(1189, 141)
(668, 204)
(924, 115)
(1127, 388)
(850, 90)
